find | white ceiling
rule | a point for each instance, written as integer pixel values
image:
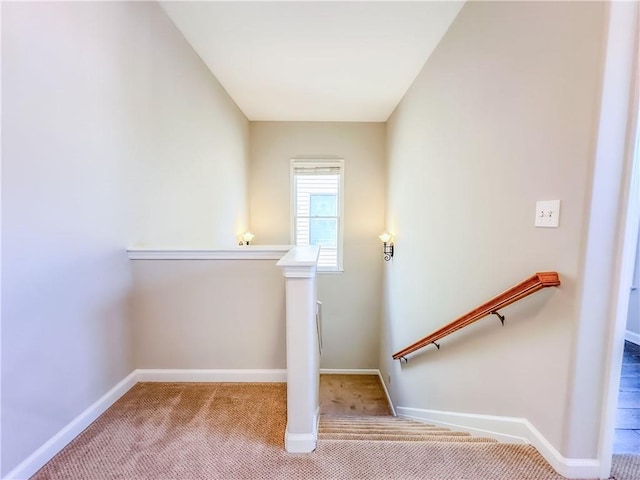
(314, 61)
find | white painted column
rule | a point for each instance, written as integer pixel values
(303, 356)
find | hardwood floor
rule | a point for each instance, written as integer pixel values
(627, 435)
(352, 395)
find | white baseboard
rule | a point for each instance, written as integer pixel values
(212, 375)
(49, 449)
(386, 392)
(632, 337)
(300, 442)
(507, 430)
(349, 371)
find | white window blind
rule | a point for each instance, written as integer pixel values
(317, 209)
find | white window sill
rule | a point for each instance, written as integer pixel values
(330, 272)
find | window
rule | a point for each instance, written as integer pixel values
(316, 199)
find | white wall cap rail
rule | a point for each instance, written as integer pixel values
(300, 262)
(249, 252)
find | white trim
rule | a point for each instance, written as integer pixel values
(330, 272)
(212, 375)
(503, 429)
(386, 392)
(300, 442)
(250, 252)
(55, 444)
(303, 442)
(632, 337)
(300, 262)
(508, 430)
(349, 371)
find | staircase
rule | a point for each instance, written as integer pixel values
(388, 428)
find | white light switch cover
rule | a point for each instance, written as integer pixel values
(547, 213)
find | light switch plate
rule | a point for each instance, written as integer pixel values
(547, 213)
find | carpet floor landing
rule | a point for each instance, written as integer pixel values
(236, 431)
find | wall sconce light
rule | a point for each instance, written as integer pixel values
(246, 238)
(387, 246)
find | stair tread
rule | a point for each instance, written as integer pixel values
(406, 438)
(365, 431)
(385, 428)
(379, 422)
(362, 417)
(391, 421)
(323, 422)
(389, 430)
(381, 425)
(400, 434)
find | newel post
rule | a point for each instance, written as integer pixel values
(303, 356)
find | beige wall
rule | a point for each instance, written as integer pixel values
(503, 114)
(114, 133)
(209, 314)
(351, 301)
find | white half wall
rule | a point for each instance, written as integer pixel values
(351, 300)
(202, 314)
(114, 134)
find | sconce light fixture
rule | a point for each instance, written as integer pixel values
(387, 246)
(246, 238)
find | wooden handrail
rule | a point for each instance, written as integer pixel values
(525, 288)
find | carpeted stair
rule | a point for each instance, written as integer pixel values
(388, 428)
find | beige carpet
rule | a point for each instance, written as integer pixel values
(235, 431)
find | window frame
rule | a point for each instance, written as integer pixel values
(313, 163)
